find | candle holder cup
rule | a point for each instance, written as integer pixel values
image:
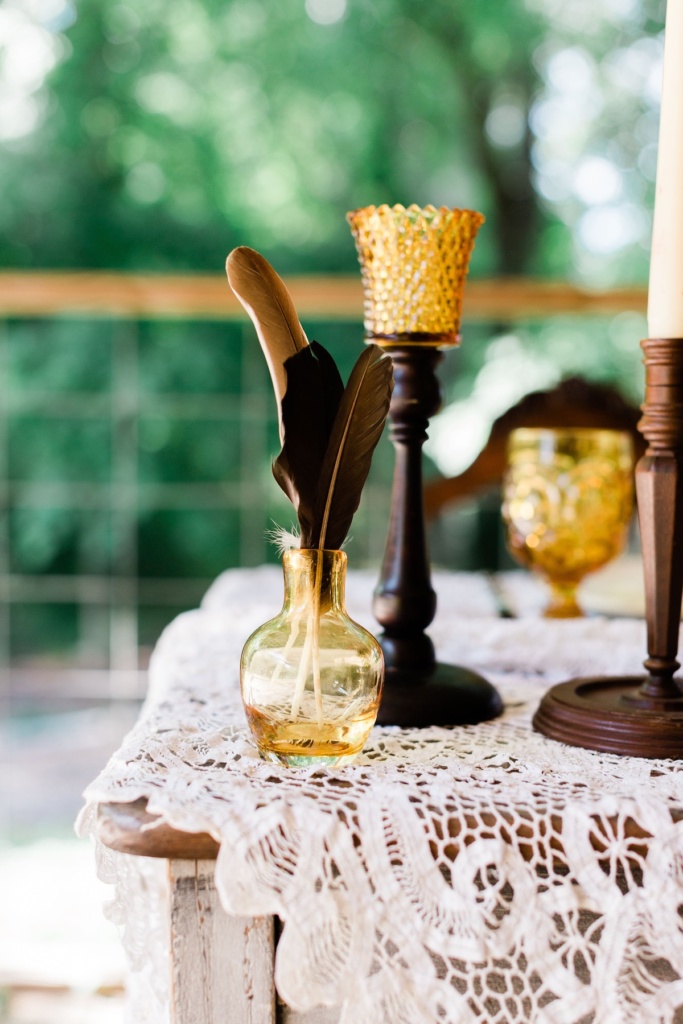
(642, 716)
(414, 263)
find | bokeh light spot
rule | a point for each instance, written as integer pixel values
(325, 12)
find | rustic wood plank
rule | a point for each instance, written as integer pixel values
(222, 965)
(27, 294)
(130, 828)
(148, 295)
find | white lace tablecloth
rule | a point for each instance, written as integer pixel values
(450, 875)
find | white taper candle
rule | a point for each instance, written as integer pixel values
(665, 305)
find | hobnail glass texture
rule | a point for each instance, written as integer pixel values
(567, 505)
(414, 262)
(311, 678)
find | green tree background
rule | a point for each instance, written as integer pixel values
(168, 132)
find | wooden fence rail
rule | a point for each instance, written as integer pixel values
(28, 294)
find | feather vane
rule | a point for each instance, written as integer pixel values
(314, 391)
(357, 428)
(266, 299)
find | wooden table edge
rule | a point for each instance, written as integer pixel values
(130, 828)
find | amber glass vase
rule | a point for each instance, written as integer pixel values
(312, 678)
(567, 504)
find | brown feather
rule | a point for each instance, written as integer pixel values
(357, 429)
(264, 295)
(314, 391)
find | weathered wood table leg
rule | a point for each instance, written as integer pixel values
(221, 966)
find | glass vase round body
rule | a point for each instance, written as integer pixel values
(311, 678)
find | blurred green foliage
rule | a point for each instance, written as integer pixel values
(170, 132)
(158, 136)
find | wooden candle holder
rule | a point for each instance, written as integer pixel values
(414, 263)
(418, 691)
(642, 716)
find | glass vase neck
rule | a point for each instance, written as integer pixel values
(305, 569)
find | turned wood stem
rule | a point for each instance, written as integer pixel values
(405, 602)
(659, 485)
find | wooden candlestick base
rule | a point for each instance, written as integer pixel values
(417, 691)
(448, 695)
(640, 716)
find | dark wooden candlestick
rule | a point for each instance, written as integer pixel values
(414, 263)
(642, 716)
(405, 602)
(418, 691)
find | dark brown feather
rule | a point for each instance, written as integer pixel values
(264, 295)
(331, 384)
(357, 429)
(309, 407)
